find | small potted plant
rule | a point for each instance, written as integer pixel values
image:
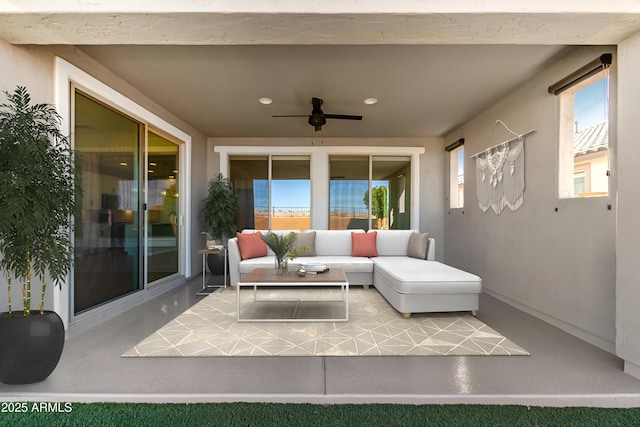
(220, 209)
(211, 242)
(37, 202)
(280, 244)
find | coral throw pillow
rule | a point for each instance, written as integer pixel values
(251, 245)
(364, 244)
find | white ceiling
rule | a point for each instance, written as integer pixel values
(432, 66)
(421, 90)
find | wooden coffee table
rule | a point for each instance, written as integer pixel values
(269, 277)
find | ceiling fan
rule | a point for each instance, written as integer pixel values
(317, 118)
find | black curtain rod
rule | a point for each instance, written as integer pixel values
(583, 73)
(454, 145)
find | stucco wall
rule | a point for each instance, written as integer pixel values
(33, 67)
(27, 66)
(628, 231)
(557, 265)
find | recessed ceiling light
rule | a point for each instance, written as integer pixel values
(123, 163)
(370, 101)
(265, 101)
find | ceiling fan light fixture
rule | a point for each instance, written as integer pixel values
(370, 101)
(265, 101)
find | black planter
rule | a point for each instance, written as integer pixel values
(30, 347)
(215, 262)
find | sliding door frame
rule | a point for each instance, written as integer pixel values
(67, 77)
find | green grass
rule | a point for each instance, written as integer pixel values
(259, 414)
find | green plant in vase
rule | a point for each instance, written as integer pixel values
(280, 244)
(38, 189)
(220, 209)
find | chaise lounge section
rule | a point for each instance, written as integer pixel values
(400, 264)
(414, 286)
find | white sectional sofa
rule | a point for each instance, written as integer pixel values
(409, 284)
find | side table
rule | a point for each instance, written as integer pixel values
(207, 288)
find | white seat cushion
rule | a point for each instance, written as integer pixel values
(414, 276)
(248, 265)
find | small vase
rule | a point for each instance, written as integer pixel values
(282, 265)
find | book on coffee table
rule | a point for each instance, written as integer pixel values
(314, 267)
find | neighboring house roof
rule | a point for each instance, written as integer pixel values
(591, 139)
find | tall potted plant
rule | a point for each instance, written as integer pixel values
(36, 206)
(220, 210)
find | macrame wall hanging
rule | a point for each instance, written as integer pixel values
(500, 173)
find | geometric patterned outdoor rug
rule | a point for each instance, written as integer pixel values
(209, 329)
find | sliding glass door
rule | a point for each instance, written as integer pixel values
(107, 237)
(163, 209)
(124, 169)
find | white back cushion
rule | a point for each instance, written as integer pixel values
(392, 242)
(334, 242)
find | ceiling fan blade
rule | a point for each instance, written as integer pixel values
(290, 115)
(342, 116)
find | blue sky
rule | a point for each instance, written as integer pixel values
(291, 193)
(296, 193)
(591, 104)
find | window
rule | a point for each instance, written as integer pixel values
(369, 192)
(580, 181)
(327, 187)
(277, 202)
(250, 178)
(290, 193)
(391, 192)
(583, 168)
(456, 176)
(348, 192)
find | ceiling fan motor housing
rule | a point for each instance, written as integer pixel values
(317, 120)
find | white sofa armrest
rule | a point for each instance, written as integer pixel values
(431, 250)
(234, 260)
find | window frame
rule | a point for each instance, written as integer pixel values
(568, 163)
(455, 153)
(320, 171)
